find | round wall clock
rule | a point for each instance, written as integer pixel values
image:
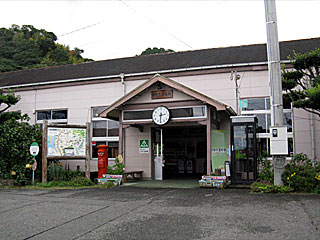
(160, 115)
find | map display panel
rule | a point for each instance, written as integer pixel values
(66, 142)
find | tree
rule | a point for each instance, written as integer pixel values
(302, 83)
(15, 140)
(155, 50)
(27, 47)
(16, 136)
(6, 101)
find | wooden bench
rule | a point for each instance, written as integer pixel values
(133, 174)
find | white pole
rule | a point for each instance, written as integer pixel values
(274, 64)
(157, 149)
(275, 81)
(161, 147)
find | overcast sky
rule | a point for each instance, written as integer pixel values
(113, 28)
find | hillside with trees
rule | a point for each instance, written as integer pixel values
(155, 50)
(28, 47)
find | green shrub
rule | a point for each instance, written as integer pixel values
(117, 169)
(76, 182)
(71, 174)
(55, 183)
(265, 171)
(56, 171)
(15, 140)
(317, 189)
(301, 175)
(82, 181)
(269, 188)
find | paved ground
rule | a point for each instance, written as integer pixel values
(157, 213)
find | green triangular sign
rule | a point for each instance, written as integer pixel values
(144, 143)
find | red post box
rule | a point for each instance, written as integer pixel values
(102, 160)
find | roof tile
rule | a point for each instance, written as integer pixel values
(147, 63)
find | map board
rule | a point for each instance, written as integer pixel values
(66, 142)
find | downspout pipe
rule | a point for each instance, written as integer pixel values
(122, 75)
(293, 130)
(313, 152)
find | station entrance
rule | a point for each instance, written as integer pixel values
(184, 151)
(176, 123)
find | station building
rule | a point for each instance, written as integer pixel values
(177, 105)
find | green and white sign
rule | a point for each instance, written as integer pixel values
(144, 146)
(34, 149)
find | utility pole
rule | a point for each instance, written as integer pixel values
(236, 77)
(275, 91)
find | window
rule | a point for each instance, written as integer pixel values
(190, 112)
(287, 119)
(97, 110)
(113, 128)
(137, 115)
(260, 107)
(263, 122)
(175, 113)
(255, 104)
(99, 128)
(44, 115)
(59, 114)
(104, 132)
(53, 116)
(113, 148)
(105, 128)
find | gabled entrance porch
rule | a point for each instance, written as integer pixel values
(185, 145)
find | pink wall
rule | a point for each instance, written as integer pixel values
(79, 100)
(133, 159)
(303, 136)
(220, 87)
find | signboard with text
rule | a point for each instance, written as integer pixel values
(219, 151)
(144, 146)
(161, 94)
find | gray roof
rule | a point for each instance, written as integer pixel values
(256, 53)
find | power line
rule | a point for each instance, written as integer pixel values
(77, 30)
(155, 24)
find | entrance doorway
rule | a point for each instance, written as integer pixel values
(184, 151)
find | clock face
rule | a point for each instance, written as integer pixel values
(160, 115)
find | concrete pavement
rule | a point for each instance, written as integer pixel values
(129, 212)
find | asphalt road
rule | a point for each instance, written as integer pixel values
(144, 213)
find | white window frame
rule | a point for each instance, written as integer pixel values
(182, 118)
(102, 139)
(266, 111)
(58, 121)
